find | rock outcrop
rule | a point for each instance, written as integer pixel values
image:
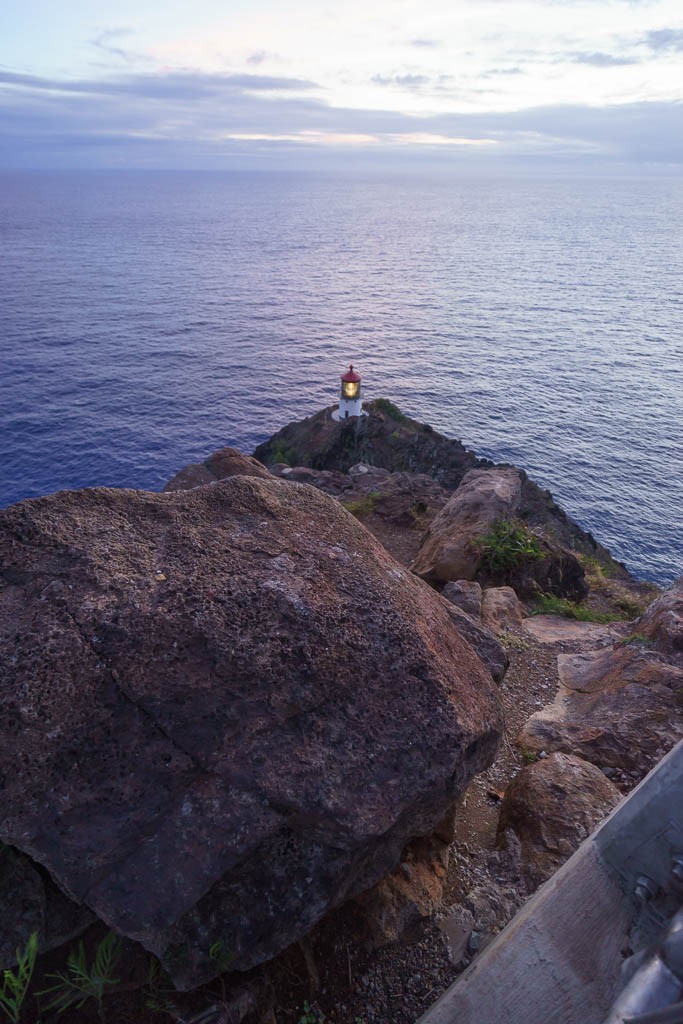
(619, 708)
(388, 439)
(453, 546)
(224, 711)
(385, 437)
(552, 806)
(220, 465)
(450, 550)
(662, 623)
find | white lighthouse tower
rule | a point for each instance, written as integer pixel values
(350, 399)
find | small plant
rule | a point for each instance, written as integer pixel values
(15, 986)
(311, 1015)
(508, 544)
(221, 956)
(81, 982)
(528, 756)
(362, 506)
(635, 640)
(391, 410)
(550, 604)
(594, 567)
(158, 990)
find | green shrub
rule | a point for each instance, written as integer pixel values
(550, 604)
(391, 410)
(15, 986)
(507, 545)
(281, 452)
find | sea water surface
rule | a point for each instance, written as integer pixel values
(149, 318)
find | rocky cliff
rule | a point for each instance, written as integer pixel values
(388, 439)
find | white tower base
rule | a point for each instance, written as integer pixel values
(348, 407)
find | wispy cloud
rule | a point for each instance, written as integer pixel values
(184, 84)
(106, 42)
(599, 60)
(665, 40)
(406, 81)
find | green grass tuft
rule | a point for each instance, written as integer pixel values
(362, 506)
(508, 544)
(550, 604)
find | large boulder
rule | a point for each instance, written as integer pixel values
(450, 549)
(619, 708)
(220, 465)
(552, 806)
(224, 711)
(488, 503)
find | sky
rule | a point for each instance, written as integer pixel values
(471, 84)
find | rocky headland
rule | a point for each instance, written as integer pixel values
(306, 729)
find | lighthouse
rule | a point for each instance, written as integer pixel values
(350, 398)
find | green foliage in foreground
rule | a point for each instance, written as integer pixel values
(508, 544)
(15, 986)
(81, 982)
(549, 604)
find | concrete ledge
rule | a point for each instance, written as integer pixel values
(558, 960)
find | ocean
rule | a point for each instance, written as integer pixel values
(148, 318)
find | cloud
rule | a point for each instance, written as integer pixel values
(194, 119)
(258, 57)
(104, 41)
(666, 40)
(598, 59)
(425, 43)
(407, 81)
(170, 84)
(493, 72)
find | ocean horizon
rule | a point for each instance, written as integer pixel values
(148, 318)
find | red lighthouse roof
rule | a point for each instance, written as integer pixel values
(351, 376)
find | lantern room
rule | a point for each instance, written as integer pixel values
(350, 398)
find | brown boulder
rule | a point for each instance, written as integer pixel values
(225, 710)
(450, 548)
(618, 708)
(466, 594)
(501, 612)
(412, 892)
(219, 466)
(552, 806)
